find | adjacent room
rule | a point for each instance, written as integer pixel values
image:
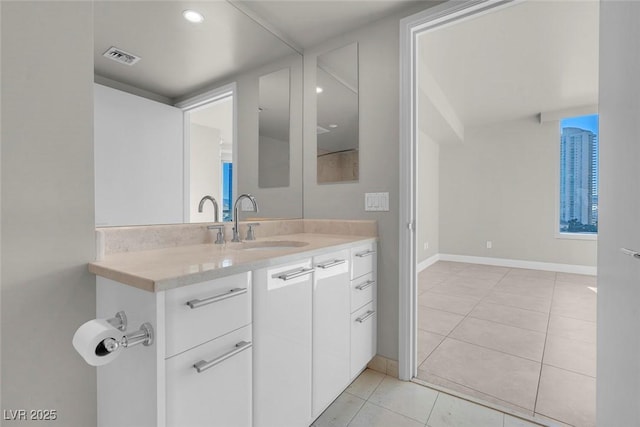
(508, 208)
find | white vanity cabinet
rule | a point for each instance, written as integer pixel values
(363, 306)
(197, 372)
(272, 347)
(208, 350)
(282, 316)
(331, 328)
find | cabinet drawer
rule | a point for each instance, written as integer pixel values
(204, 311)
(362, 260)
(362, 291)
(217, 396)
(363, 338)
(331, 264)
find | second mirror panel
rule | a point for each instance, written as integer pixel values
(337, 115)
(273, 129)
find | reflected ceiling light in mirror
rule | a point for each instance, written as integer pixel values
(193, 16)
(318, 89)
(332, 126)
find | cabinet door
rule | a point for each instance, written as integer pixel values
(218, 396)
(282, 345)
(331, 330)
(363, 338)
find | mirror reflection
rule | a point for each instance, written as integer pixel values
(211, 161)
(337, 115)
(162, 143)
(273, 128)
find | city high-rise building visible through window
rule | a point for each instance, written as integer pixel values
(579, 175)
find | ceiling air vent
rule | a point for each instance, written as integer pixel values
(121, 56)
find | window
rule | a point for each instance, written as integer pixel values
(227, 190)
(579, 175)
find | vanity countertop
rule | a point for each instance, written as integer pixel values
(162, 269)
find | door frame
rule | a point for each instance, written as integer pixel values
(410, 27)
(196, 103)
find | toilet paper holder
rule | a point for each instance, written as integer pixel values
(144, 335)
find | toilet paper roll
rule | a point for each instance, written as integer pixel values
(89, 341)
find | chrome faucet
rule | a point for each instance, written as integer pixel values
(215, 206)
(236, 230)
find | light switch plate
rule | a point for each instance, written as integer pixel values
(376, 202)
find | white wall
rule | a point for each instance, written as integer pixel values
(138, 160)
(501, 184)
(205, 172)
(378, 45)
(47, 208)
(428, 194)
(618, 389)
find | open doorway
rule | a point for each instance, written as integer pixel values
(507, 196)
(209, 156)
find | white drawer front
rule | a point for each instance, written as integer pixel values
(331, 264)
(362, 291)
(363, 341)
(204, 311)
(362, 259)
(218, 396)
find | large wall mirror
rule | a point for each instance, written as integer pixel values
(337, 115)
(178, 114)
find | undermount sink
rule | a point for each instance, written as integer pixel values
(269, 245)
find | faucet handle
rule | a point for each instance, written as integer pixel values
(250, 233)
(220, 236)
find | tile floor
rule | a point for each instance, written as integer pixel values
(378, 400)
(521, 339)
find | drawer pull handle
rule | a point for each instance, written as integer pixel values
(630, 252)
(333, 263)
(203, 365)
(288, 275)
(364, 317)
(365, 253)
(195, 303)
(365, 285)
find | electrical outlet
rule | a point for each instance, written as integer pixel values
(489, 244)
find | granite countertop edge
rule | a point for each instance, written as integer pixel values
(129, 268)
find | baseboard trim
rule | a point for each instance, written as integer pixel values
(517, 263)
(428, 262)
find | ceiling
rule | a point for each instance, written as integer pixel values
(180, 58)
(516, 62)
(310, 22)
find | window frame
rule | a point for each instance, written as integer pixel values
(557, 233)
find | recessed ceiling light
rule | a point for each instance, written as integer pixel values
(332, 126)
(193, 16)
(318, 89)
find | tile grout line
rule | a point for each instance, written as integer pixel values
(391, 410)
(426, 424)
(466, 316)
(486, 402)
(544, 347)
(365, 400)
